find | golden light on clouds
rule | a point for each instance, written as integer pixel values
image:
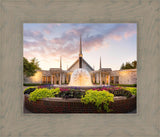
(115, 43)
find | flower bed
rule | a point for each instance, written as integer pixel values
(73, 105)
(80, 100)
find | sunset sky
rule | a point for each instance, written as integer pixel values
(115, 43)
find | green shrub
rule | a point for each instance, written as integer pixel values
(29, 90)
(125, 85)
(132, 90)
(43, 93)
(31, 84)
(98, 98)
(34, 84)
(121, 92)
(72, 93)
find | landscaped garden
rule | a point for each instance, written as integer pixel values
(50, 99)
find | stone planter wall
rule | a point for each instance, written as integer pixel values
(59, 105)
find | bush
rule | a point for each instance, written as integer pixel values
(125, 85)
(117, 91)
(98, 98)
(33, 84)
(132, 90)
(71, 93)
(43, 93)
(29, 90)
(121, 92)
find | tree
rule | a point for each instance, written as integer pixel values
(134, 64)
(129, 65)
(122, 67)
(30, 68)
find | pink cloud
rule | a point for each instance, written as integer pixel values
(58, 41)
(116, 37)
(67, 45)
(58, 24)
(47, 31)
(129, 34)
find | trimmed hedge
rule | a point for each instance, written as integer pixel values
(125, 85)
(37, 84)
(32, 84)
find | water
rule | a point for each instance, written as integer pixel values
(80, 77)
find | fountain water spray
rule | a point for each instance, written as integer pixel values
(80, 77)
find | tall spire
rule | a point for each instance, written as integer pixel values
(60, 62)
(100, 77)
(100, 65)
(80, 48)
(60, 79)
(80, 54)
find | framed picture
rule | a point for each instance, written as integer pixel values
(19, 17)
(50, 86)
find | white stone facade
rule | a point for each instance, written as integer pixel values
(37, 78)
(128, 76)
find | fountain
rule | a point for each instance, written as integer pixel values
(80, 77)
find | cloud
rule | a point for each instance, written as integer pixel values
(47, 31)
(116, 33)
(58, 24)
(36, 35)
(129, 34)
(116, 37)
(66, 44)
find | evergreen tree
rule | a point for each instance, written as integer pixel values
(134, 64)
(129, 65)
(122, 67)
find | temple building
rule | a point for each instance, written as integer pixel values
(102, 76)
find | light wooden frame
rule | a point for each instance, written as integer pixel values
(13, 13)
